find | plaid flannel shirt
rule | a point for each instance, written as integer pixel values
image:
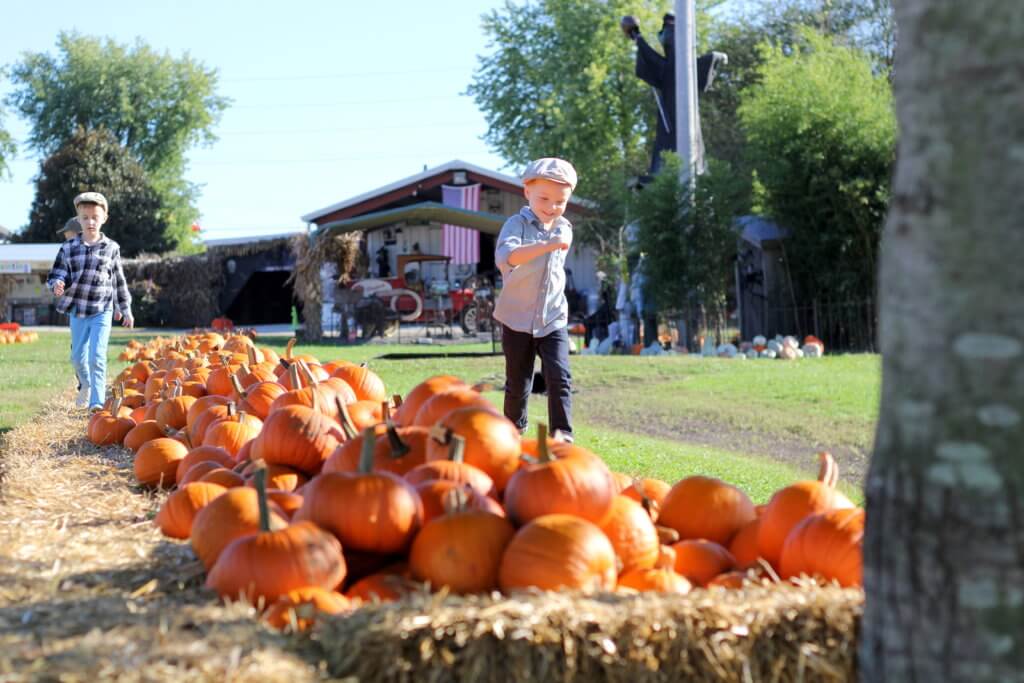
(92, 276)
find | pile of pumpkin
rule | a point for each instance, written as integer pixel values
(18, 337)
(297, 479)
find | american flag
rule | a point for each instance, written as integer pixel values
(462, 244)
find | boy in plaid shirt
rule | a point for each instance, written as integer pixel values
(88, 278)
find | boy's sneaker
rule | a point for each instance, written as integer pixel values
(83, 398)
(95, 409)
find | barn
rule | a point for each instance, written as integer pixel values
(24, 298)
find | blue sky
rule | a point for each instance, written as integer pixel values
(330, 99)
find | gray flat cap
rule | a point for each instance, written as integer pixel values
(92, 198)
(72, 224)
(551, 168)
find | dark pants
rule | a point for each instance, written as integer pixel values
(521, 349)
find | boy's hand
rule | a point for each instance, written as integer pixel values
(58, 288)
(126, 320)
(559, 242)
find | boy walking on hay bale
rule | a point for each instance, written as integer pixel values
(88, 278)
(532, 309)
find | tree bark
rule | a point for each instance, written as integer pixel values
(944, 547)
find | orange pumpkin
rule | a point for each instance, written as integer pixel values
(700, 560)
(440, 404)
(790, 505)
(630, 529)
(377, 512)
(558, 551)
(566, 479)
(173, 412)
(233, 514)
(272, 563)
(654, 490)
(156, 462)
(492, 441)
(232, 432)
(298, 437)
(453, 469)
(197, 471)
(827, 545)
(258, 398)
(462, 548)
(279, 477)
(142, 432)
(420, 394)
(743, 545)
(110, 428)
(387, 585)
(224, 477)
(298, 610)
(203, 454)
(432, 494)
(656, 580)
(179, 510)
(365, 383)
(705, 507)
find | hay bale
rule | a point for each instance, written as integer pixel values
(312, 252)
(761, 633)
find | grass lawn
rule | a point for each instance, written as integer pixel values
(663, 417)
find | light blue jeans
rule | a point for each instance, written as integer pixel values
(89, 337)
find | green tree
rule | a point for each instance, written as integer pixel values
(93, 160)
(156, 106)
(821, 136)
(560, 82)
(688, 238)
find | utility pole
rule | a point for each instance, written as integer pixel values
(686, 87)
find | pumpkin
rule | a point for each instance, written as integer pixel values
(630, 529)
(462, 548)
(271, 563)
(622, 481)
(700, 560)
(442, 403)
(298, 610)
(739, 578)
(387, 585)
(565, 479)
(156, 462)
(313, 395)
(365, 383)
(789, 505)
(656, 580)
(365, 413)
(492, 442)
(197, 430)
(197, 471)
(432, 494)
(144, 431)
(203, 454)
(173, 412)
(179, 509)
(199, 407)
(705, 507)
(743, 545)
(298, 437)
(278, 477)
(377, 512)
(646, 487)
(110, 428)
(258, 398)
(828, 545)
(453, 469)
(219, 381)
(232, 432)
(288, 501)
(558, 551)
(233, 514)
(420, 394)
(224, 477)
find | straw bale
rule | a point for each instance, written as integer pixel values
(762, 633)
(90, 590)
(312, 252)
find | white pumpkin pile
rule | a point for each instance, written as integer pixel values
(786, 348)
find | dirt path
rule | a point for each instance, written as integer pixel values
(90, 590)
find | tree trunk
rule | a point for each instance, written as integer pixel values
(944, 547)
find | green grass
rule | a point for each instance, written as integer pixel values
(627, 408)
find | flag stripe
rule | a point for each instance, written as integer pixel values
(461, 244)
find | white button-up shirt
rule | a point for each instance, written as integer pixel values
(532, 298)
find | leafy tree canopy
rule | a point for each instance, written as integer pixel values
(156, 106)
(95, 161)
(821, 134)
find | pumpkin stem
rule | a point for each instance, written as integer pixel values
(293, 376)
(455, 501)
(457, 448)
(232, 409)
(481, 387)
(543, 455)
(396, 401)
(650, 505)
(307, 373)
(237, 384)
(828, 472)
(667, 535)
(440, 434)
(251, 351)
(345, 419)
(260, 480)
(399, 449)
(288, 348)
(366, 454)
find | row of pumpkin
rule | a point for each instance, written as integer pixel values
(295, 479)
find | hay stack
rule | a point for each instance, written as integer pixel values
(312, 252)
(762, 633)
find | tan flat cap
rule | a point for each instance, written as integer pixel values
(92, 198)
(72, 224)
(551, 168)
